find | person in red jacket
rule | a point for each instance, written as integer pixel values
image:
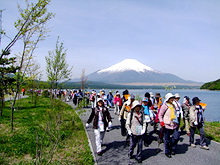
(23, 91)
(118, 103)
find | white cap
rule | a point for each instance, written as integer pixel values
(177, 95)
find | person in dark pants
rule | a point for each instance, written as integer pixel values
(197, 121)
(126, 108)
(75, 97)
(169, 122)
(136, 127)
(178, 107)
(148, 117)
(186, 118)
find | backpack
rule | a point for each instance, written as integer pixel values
(156, 118)
(141, 122)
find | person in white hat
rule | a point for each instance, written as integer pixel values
(186, 118)
(126, 108)
(102, 120)
(93, 98)
(118, 103)
(169, 123)
(136, 126)
(178, 107)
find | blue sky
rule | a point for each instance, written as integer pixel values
(172, 36)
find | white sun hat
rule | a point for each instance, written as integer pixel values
(135, 103)
(168, 96)
(177, 95)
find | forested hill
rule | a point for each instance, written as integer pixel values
(213, 85)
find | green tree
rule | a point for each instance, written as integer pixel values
(33, 78)
(57, 70)
(56, 66)
(31, 28)
(7, 69)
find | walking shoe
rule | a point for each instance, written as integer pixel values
(168, 155)
(181, 129)
(204, 147)
(193, 145)
(99, 153)
(146, 144)
(131, 156)
(138, 160)
(173, 153)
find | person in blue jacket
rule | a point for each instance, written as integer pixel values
(146, 103)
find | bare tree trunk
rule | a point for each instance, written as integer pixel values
(13, 107)
(2, 102)
(83, 80)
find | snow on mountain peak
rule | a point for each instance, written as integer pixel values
(127, 65)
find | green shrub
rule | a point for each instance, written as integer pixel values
(45, 94)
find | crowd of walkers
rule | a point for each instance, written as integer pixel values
(136, 115)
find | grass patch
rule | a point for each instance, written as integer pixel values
(19, 146)
(212, 130)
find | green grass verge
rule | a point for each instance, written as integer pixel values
(212, 130)
(19, 146)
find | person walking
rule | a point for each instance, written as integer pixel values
(156, 105)
(102, 120)
(118, 103)
(23, 91)
(169, 122)
(74, 97)
(186, 118)
(93, 98)
(136, 126)
(197, 120)
(178, 107)
(125, 94)
(126, 108)
(146, 104)
(79, 96)
(110, 99)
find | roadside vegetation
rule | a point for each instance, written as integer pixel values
(212, 130)
(41, 136)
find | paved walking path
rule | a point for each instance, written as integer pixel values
(115, 150)
(18, 97)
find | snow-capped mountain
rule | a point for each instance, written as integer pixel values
(127, 65)
(132, 71)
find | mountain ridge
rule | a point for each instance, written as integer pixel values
(132, 71)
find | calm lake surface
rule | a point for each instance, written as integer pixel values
(211, 98)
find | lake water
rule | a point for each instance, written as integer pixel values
(211, 98)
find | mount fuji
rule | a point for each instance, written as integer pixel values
(131, 71)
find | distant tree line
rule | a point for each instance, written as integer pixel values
(213, 85)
